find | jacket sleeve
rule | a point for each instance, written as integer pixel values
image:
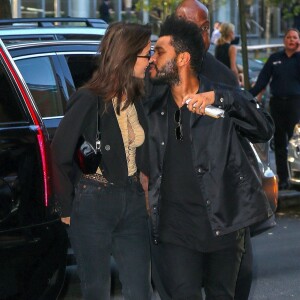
(263, 78)
(252, 121)
(63, 146)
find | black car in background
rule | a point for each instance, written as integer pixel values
(33, 241)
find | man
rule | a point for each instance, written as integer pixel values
(282, 69)
(196, 12)
(200, 175)
(104, 11)
(216, 32)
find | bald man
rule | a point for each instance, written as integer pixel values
(214, 70)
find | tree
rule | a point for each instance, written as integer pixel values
(291, 10)
(5, 9)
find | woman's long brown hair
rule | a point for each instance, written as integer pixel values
(118, 49)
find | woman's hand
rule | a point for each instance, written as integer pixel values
(144, 179)
(66, 220)
(196, 103)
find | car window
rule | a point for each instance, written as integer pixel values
(10, 108)
(39, 75)
(81, 67)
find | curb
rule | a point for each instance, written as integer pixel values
(288, 198)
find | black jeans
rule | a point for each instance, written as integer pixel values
(109, 221)
(244, 279)
(186, 271)
(286, 114)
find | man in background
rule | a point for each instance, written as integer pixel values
(216, 32)
(104, 11)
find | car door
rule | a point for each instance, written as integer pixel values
(32, 240)
(53, 77)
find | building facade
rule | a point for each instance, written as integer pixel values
(221, 10)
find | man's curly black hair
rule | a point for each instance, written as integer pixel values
(186, 37)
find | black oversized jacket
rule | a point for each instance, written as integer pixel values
(81, 119)
(225, 169)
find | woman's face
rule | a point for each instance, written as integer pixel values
(142, 62)
(291, 40)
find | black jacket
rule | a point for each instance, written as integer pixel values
(225, 170)
(81, 119)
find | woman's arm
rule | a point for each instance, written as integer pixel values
(232, 57)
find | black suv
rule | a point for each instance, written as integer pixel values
(33, 242)
(46, 29)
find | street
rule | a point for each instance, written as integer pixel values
(277, 259)
(276, 263)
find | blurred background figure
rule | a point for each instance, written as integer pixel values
(104, 13)
(225, 52)
(282, 70)
(216, 32)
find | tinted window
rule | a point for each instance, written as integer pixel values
(81, 67)
(10, 108)
(40, 77)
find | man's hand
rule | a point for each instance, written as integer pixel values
(196, 103)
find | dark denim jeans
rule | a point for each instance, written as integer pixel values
(105, 221)
(185, 271)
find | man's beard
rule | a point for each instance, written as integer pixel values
(167, 74)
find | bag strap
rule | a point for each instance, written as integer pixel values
(98, 134)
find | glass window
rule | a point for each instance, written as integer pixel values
(40, 77)
(10, 106)
(81, 67)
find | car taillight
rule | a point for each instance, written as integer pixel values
(45, 170)
(36, 121)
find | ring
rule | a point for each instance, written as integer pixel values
(194, 109)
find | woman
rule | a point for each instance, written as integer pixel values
(282, 72)
(224, 51)
(108, 213)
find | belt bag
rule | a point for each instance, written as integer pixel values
(88, 154)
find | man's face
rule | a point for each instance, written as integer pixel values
(197, 13)
(163, 63)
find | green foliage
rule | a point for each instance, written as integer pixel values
(290, 9)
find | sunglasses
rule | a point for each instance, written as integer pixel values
(178, 129)
(144, 56)
(148, 56)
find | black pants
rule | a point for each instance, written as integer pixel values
(184, 271)
(244, 280)
(286, 114)
(109, 221)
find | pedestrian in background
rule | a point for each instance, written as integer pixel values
(201, 225)
(104, 11)
(216, 32)
(106, 210)
(282, 71)
(225, 52)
